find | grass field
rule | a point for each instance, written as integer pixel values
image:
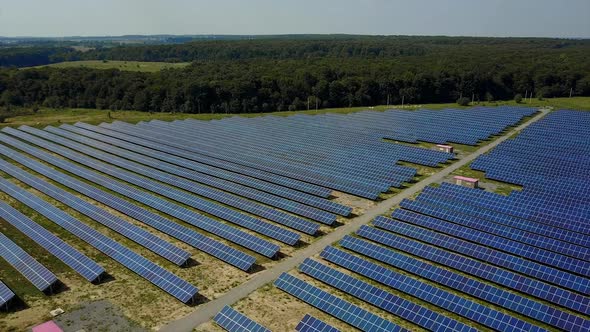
(46, 117)
(149, 67)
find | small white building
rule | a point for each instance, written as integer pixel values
(444, 148)
(466, 182)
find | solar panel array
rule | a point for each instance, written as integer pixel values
(232, 320)
(5, 295)
(257, 183)
(312, 324)
(516, 262)
(26, 265)
(551, 157)
(79, 262)
(145, 268)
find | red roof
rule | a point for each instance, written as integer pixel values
(463, 178)
(47, 327)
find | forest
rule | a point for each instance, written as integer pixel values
(291, 73)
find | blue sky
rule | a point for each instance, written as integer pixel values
(536, 18)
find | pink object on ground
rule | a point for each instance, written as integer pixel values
(466, 179)
(47, 327)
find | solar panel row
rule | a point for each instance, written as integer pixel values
(335, 306)
(225, 231)
(380, 298)
(79, 262)
(213, 247)
(232, 320)
(183, 160)
(134, 233)
(5, 295)
(461, 306)
(130, 169)
(204, 179)
(470, 286)
(312, 324)
(36, 274)
(160, 277)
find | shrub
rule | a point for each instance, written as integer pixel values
(463, 101)
(518, 98)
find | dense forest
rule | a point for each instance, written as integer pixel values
(263, 75)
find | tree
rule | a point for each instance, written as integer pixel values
(463, 101)
(489, 97)
(518, 98)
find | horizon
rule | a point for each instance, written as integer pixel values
(460, 18)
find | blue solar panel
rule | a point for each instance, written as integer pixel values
(233, 321)
(79, 262)
(165, 164)
(312, 324)
(380, 298)
(492, 241)
(26, 265)
(213, 247)
(134, 233)
(257, 225)
(184, 159)
(461, 306)
(5, 294)
(473, 287)
(160, 277)
(225, 231)
(335, 306)
(187, 235)
(511, 262)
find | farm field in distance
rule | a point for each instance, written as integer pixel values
(140, 66)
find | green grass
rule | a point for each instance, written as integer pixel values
(150, 67)
(46, 117)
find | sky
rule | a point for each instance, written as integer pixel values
(515, 18)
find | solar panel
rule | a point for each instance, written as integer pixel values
(201, 242)
(382, 299)
(79, 262)
(26, 265)
(232, 320)
(5, 294)
(473, 287)
(492, 241)
(510, 262)
(160, 277)
(231, 187)
(185, 160)
(312, 324)
(335, 306)
(257, 225)
(225, 231)
(134, 233)
(461, 306)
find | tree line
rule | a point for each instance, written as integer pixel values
(295, 74)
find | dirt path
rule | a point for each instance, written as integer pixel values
(206, 311)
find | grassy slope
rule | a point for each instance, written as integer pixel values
(47, 117)
(121, 65)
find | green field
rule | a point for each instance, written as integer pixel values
(149, 67)
(46, 117)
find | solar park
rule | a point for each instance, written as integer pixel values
(176, 214)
